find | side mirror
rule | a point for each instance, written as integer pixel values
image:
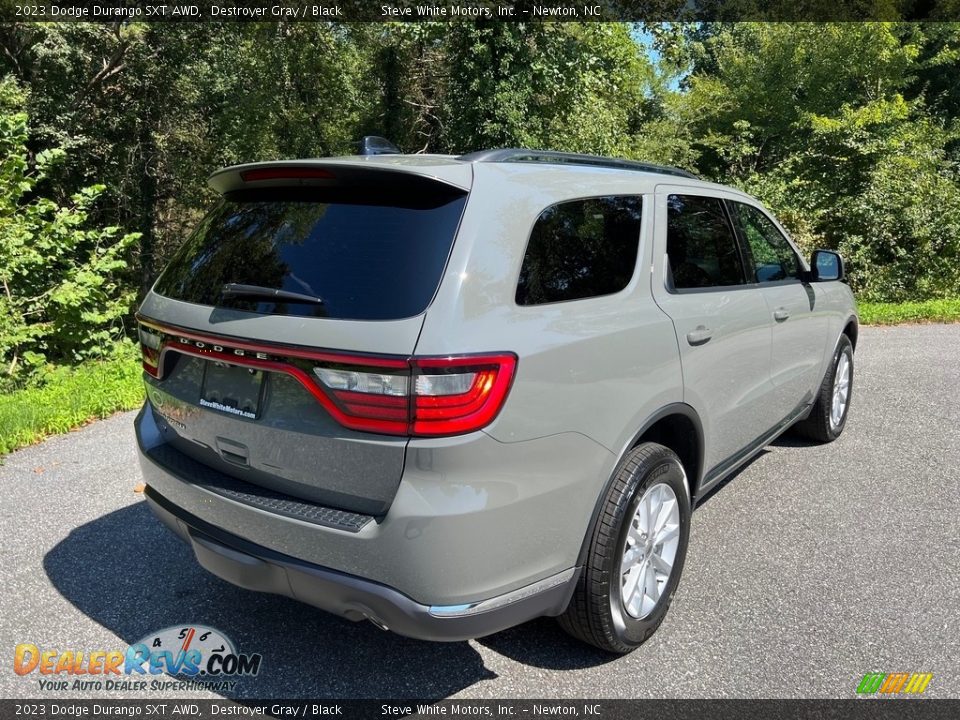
(826, 265)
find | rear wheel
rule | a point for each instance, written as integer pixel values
(829, 414)
(636, 553)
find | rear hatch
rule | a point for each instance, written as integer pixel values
(277, 341)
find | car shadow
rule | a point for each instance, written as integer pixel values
(792, 441)
(711, 493)
(541, 643)
(787, 440)
(128, 573)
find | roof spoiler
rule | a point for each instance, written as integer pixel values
(371, 171)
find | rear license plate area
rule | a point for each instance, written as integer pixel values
(232, 389)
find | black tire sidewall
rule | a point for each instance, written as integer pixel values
(843, 348)
(665, 468)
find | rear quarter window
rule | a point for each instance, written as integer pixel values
(369, 253)
(581, 249)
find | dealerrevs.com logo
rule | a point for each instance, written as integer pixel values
(894, 683)
(202, 658)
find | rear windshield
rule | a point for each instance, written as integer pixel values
(369, 254)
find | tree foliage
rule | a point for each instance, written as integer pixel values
(848, 131)
(61, 296)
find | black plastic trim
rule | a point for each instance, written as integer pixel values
(196, 473)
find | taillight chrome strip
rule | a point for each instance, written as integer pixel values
(277, 350)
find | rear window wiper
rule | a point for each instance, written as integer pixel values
(258, 292)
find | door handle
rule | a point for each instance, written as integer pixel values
(781, 314)
(699, 335)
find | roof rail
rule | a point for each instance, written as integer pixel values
(551, 156)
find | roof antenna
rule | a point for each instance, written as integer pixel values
(376, 145)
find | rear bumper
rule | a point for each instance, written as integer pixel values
(473, 518)
(254, 567)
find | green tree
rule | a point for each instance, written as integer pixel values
(149, 110)
(61, 298)
(830, 126)
(560, 86)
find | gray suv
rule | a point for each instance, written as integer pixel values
(451, 394)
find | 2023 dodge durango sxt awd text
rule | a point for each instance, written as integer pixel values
(451, 394)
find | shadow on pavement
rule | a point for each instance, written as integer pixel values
(543, 644)
(729, 479)
(787, 440)
(792, 441)
(128, 573)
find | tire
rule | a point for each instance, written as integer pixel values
(819, 426)
(597, 613)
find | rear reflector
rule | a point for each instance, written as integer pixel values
(285, 173)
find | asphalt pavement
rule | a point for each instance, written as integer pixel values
(809, 568)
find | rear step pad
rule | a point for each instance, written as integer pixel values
(189, 470)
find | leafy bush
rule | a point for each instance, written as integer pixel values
(903, 237)
(61, 298)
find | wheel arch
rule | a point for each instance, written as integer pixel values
(852, 330)
(676, 426)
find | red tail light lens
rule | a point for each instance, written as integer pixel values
(459, 395)
(437, 396)
(150, 342)
(419, 396)
(374, 399)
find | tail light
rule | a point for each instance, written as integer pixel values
(458, 395)
(150, 343)
(433, 396)
(418, 396)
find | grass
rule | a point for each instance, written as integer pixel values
(927, 311)
(69, 398)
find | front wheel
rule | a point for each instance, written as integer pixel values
(636, 553)
(829, 414)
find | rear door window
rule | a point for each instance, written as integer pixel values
(368, 253)
(581, 249)
(701, 244)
